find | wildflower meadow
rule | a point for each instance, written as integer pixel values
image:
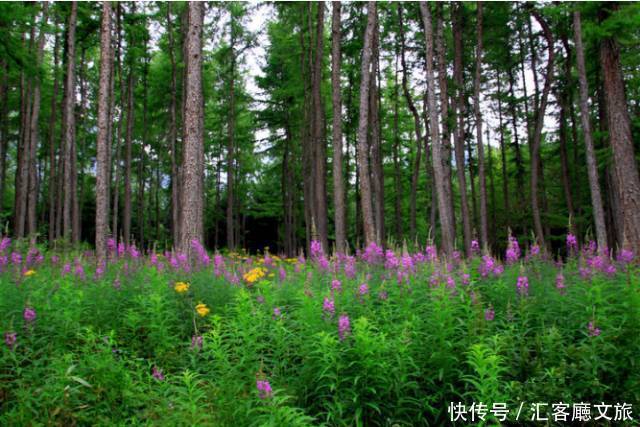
(383, 337)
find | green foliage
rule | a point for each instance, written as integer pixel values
(123, 349)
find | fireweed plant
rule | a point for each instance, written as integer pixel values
(383, 337)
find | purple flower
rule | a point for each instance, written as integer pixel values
(466, 279)
(111, 244)
(344, 326)
(535, 250)
(513, 251)
(121, 249)
(475, 247)
(451, 282)
(316, 249)
(489, 314)
(383, 295)
(277, 312)
(390, 260)
(16, 258)
(560, 282)
(200, 250)
(133, 252)
(157, 373)
(593, 330)
(625, 256)
(10, 337)
(572, 243)
(29, 314)
(79, 271)
(282, 274)
(4, 244)
(431, 253)
(264, 389)
(336, 285)
(328, 306)
(585, 273)
(363, 289)
(373, 254)
(350, 267)
(498, 270)
(523, 285)
(196, 342)
(116, 284)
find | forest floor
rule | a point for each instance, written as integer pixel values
(381, 338)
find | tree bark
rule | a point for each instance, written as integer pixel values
(484, 228)
(377, 173)
(192, 198)
(417, 127)
(52, 144)
(32, 193)
(503, 155)
(438, 172)
(102, 142)
(537, 135)
(626, 169)
(459, 134)
(592, 163)
(319, 141)
(338, 183)
(363, 121)
(69, 124)
(231, 199)
(173, 133)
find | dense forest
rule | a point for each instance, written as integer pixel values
(243, 125)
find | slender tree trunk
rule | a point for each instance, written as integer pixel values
(444, 105)
(69, 124)
(231, 241)
(377, 173)
(592, 163)
(535, 149)
(319, 140)
(192, 198)
(396, 154)
(484, 227)
(52, 144)
(626, 168)
(338, 183)
(117, 163)
(516, 141)
(102, 150)
(417, 127)
(363, 149)
(4, 129)
(173, 133)
(128, 142)
(438, 172)
(32, 192)
(459, 134)
(503, 155)
(22, 164)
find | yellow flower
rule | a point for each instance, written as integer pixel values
(254, 274)
(202, 309)
(291, 260)
(181, 287)
(29, 273)
(272, 275)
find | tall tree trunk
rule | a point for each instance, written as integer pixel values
(363, 149)
(128, 142)
(377, 173)
(102, 142)
(444, 105)
(231, 199)
(592, 163)
(397, 177)
(459, 134)
(503, 155)
(516, 141)
(192, 198)
(319, 140)
(22, 164)
(4, 129)
(438, 172)
(338, 183)
(32, 192)
(484, 228)
(69, 124)
(52, 143)
(626, 168)
(417, 127)
(537, 135)
(173, 132)
(117, 153)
